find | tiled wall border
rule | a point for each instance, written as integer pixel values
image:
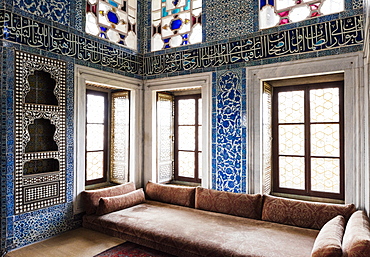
(19, 29)
(330, 36)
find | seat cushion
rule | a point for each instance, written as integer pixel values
(302, 213)
(328, 243)
(91, 198)
(243, 205)
(356, 239)
(179, 195)
(195, 232)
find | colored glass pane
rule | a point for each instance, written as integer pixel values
(271, 12)
(112, 19)
(172, 19)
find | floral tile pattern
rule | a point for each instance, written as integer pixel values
(229, 108)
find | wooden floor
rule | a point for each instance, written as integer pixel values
(80, 242)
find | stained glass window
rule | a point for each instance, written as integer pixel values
(114, 20)
(308, 141)
(278, 12)
(175, 23)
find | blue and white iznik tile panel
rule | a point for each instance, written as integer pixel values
(55, 10)
(229, 19)
(229, 132)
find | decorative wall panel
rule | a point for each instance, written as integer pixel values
(56, 10)
(229, 133)
(39, 188)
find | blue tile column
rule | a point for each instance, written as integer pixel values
(229, 131)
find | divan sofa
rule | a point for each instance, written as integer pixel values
(188, 221)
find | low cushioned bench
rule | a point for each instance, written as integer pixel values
(187, 221)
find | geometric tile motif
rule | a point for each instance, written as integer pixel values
(229, 19)
(37, 191)
(228, 151)
(56, 10)
(356, 4)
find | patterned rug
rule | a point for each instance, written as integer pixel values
(129, 249)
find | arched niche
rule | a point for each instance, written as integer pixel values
(42, 87)
(40, 166)
(41, 136)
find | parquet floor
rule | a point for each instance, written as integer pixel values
(80, 242)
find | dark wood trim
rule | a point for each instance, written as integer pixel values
(196, 151)
(307, 155)
(105, 145)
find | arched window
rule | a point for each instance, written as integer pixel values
(277, 12)
(175, 23)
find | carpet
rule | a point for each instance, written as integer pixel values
(128, 249)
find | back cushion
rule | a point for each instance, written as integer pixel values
(91, 198)
(243, 205)
(120, 202)
(328, 242)
(302, 213)
(356, 240)
(178, 195)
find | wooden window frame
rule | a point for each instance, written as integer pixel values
(196, 151)
(105, 144)
(307, 155)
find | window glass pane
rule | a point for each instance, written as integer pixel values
(324, 105)
(291, 139)
(186, 164)
(291, 107)
(95, 107)
(200, 165)
(186, 112)
(325, 175)
(94, 137)
(291, 172)
(200, 138)
(325, 140)
(94, 165)
(200, 111)
(186, 138)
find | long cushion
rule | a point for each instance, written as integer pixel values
(91, 198)
(243, 205)
(302, 213)
(356, 240)
(179, 195)
(192, 232)
(328, 242)
(119, 202)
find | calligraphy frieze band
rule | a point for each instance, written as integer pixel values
(323, 36)
(25, 31)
